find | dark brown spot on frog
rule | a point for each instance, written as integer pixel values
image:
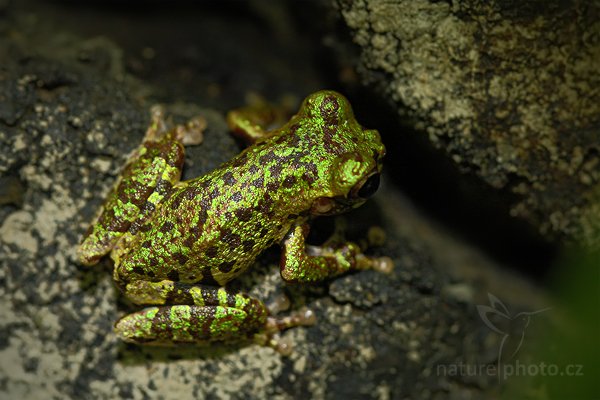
(263, 232)
(192, 191)
(139, 270)
(248, 245)
(167, 227)
(189, 241)
(273, 186)
(145, 228)
(181, 258)
(153, 261)
(228, 178)
(173, 275)
(289, 181)
(311, 174)
(226, 266)
(328, 133)
(148, 207)
(232, 239)
(258, 182)
(163, 187)
(253, 169)
(195, 231)
(210, 296)
(329, 110)
(211, 252)
(207, 277)
(237, 196)
(204, 330)
(239, 160)
(118, 224)
(267, 158)
(276, 170)
(205, 204)
(146, 244)
(177, 199)
(264, 205)
(214, 194)
(243, 214)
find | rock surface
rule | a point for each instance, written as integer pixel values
(509, 91)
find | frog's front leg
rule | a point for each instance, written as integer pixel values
(200, 314)
(305, 263)
(250, 122)
(150, 173)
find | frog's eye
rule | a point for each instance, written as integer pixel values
(367, 188)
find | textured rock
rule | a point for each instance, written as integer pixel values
(509, 90)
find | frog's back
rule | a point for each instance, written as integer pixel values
(209, 230)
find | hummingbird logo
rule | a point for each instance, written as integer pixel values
(512, 338)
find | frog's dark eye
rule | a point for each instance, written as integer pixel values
(369, 187)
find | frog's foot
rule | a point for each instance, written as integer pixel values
(158, 124)
(192, 132)
(271, 337)
(383, 264)
(375, 237)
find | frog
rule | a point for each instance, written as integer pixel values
(176, 244)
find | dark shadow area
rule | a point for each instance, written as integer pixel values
(462, 202)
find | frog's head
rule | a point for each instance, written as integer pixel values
(352, 155)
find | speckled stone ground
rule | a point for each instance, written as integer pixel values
(509, 91)
(70, 110)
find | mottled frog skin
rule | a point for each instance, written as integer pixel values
(176, 243)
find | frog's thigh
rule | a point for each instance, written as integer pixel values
(200, 313)
(171, 292)
(187, 324)
(299, 264)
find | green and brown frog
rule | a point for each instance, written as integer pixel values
(175, 244)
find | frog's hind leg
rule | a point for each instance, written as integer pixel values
(150, 173)
(184, 323)
(201, 314)
(270, 335)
